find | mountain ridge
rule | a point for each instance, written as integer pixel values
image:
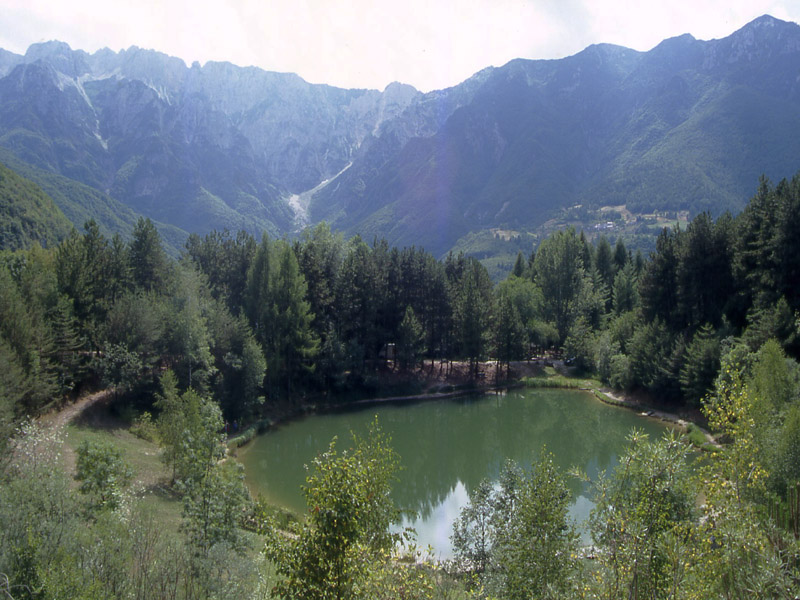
(687, 125)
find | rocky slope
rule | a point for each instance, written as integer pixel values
(689, 125)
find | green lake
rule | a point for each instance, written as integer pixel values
(447, 447)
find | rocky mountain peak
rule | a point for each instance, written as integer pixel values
(762, 39)
(72, 63)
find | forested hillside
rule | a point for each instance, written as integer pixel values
(686, 126)
(27, 214)
(240, 327)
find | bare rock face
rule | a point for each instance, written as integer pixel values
(689, 125)
(199, 147)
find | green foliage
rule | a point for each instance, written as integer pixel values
(473, 312)
(51, 548)
(143, 427)
(517, 537)
(643, 508)
(559, 272)
(213, 506)
(345, 543)
(120, 368)
(188, 340)
(579, 345)
(411, 339)
(625, 291)
(279, 312)
(103, 474)
(739, 548)
(27, 214)
(701, 364)
(510, 337)
(26, 341)
(149, 265)
(224, 260)
(189, 427)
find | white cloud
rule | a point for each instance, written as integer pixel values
(363, 43)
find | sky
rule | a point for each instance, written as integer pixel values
(430, 44)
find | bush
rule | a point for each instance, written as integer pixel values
(621, 375)
(144, 428)
(243, 438)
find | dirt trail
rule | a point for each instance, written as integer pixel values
(61, 418)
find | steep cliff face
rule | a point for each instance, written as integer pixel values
(199, 147)
(689, 125)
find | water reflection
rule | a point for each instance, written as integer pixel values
(447, 447)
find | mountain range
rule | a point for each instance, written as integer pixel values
(689, 125)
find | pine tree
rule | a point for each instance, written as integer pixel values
(149, 263)
(510, 339)
(295, 345)
(410, 339)
(474, 307)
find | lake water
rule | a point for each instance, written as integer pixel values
(447, 447)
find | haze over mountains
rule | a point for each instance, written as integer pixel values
(689, 125)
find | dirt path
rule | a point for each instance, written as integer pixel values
(60, 419)
(66, 415)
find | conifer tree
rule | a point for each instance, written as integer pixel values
(410, 339)
(149, 263)
(510, 339)
(295, 345)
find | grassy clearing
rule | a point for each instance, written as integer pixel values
(697, 438)
(151, 476)
(551, 378)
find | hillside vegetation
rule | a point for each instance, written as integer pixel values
(27, 214)
(240, 330)
(687, 126)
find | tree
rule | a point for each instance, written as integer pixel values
(519, 265)
(213, 505)
(604, 261)
(474, 308)
(625, 292)
(252, 368)
(295, 344)
(701, 365)
(225, 261)
(704, 278)
(138, 321)
(189, 427)
(536, 549)
(358, 295)
(66, 344)
(150, 266)
(510, 339)
(621, 257)
(103, 474)
(120, 368)
(188, 336)
(345, 539)
(320, 258)
(579, 345)
(642, 509)
(28, 340)
(473, 531)
(516, 535)
(410, 340)
(559, 272)
(658, 284)
(739, 550)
